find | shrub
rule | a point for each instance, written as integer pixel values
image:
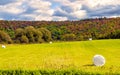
(5, 38)
(46, 34)
(30, 31)
(18, 35)
(34, 35)
(68, 37)
(38, 36)
(80, 38)
(19, 32)
(24, 39)
(28, 35)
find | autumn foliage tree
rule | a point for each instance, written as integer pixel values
(20, 36)
(46, 34)
(5, 38)
(68, 37)
(31, 35)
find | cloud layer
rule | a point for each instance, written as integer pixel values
(57, 10)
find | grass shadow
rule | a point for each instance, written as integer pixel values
(89, 65)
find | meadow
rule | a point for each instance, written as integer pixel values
(59, 56)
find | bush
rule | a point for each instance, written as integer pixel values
(28, 35)
(68, 37)
(34, 35)
(38, 36)
(24, 39)
(18, 35)
(30, 31)
(80, 38)
(19, 32)
(46, 34)
(5, 38)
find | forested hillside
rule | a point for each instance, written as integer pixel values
(98, 28)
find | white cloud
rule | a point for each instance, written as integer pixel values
(42, 7)
(45, 12)
(1, 19)
(79, 14)
(28, 15)
(92, 8)
(66, 9)
(39, 4)
(90, 3)
(40, 18)
(100, 3)
(42, 10)
(113, 16)
(44, 18)
(71, 9)
(56, 18)
(12, 8)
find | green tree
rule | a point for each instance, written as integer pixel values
(18, 35)
(34, 35)
(68, 37)
(46, 34)
(56, 31)
(38, 36)
(5, 38)
(24, 39)
(30, 31)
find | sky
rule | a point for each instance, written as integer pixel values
(57, 10)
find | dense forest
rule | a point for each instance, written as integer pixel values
(45, 31)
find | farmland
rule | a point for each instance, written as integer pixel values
(62, 56)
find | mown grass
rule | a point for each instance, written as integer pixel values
(65, 56)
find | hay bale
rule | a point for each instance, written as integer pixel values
(50, 42)
(3, 46)
(90, 39)
(98, 60)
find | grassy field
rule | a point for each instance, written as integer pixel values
(62, 55)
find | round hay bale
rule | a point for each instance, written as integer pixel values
(50, 42)
(3, 46)
(90, 39)
(98, 60)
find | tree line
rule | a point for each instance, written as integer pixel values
(26, 35)
(45, 31)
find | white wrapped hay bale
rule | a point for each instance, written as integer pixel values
(50, 42)
(90, 39)
(3, 46)
(98, 60)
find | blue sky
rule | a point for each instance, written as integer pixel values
(58, 10)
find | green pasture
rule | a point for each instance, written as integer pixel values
(62, 56)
